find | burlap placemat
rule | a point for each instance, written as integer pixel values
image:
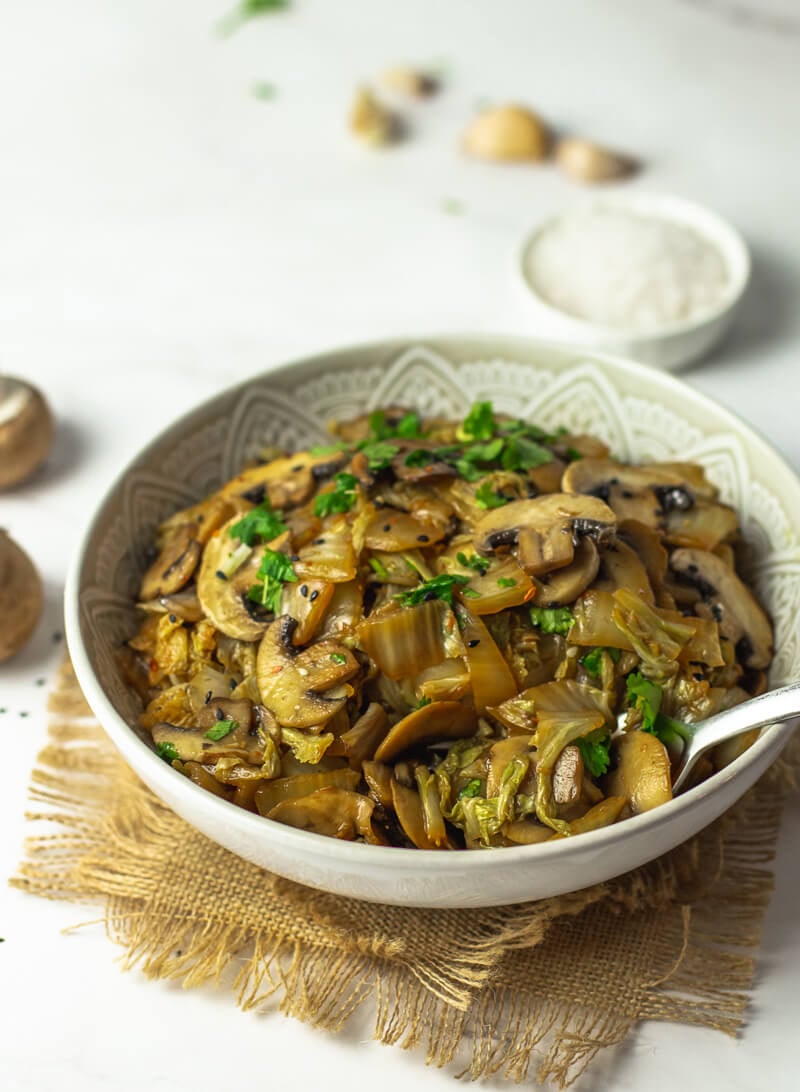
(538, 989)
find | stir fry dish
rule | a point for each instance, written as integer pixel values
(446, 634)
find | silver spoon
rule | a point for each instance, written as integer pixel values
(770, 708)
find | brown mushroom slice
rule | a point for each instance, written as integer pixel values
(565, 585)
(547, 477)
(437, 721)
(360, 742)
(545, 529)
(704, 525)
(621, 567)
(395, 532)
(175, 564)
(647, 545)
(502, 587)
(491, 678)
(197, 773)
(183, 604)
(224, 598)
(285, 686)
(642, 774)
(603, 814)
(410, 815)
(21, 597)
(287, 482)
(527, 832)
(379, 778)
(207, 517)
(403, 641)
(306, 601)
(728, 601)
(337, 813)
(420, 472)
(271, 793)
(568, 776)
(328, 557)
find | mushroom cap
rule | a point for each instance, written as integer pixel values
(26, 430)
(21, 597)
(741, 618)
(560, 519)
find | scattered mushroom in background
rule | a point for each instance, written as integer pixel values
(371, 121)
(21, 597)
(507, 133)
(26, 430)
(589, 162)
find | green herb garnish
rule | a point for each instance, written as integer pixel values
(274, 571)
(320, 450)
(645, 696)
(221, 729)
(472, 788)
(423, 701)
(378, 453)
(521, 453)
(247, 9)
(573, 454)
(167, 751)
(260, 523)
(439, 587)
(506, 582)
(338, 658)
(486, 497)
(479, 422)
(552, 619)
(379, 568)
(264, 90)
(594, 751)
(593, 661)
(340, 499)
(479, 564)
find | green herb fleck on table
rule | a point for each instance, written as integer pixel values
(340, 499)
(264, 91)
(221, 729)
(552, 619)
(248, 9)
(439, 587)
(452, 206)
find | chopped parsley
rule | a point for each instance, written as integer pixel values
(167, 751)
(247, 9)
(260, 524)
(379, 568)
(472, 788)
(479, 422)
(506, 582)
(593, 661)
(420, 457)
(320, 450)
(341, 498)
(594, 751)
(439, 587)
(520, 453)
(378, 453)
(479, 564)
(645, 696)
(423, 701)
(338, 658)
(552, 619)
(573, 454)
(221, 729)
(486, 497)
(409, 427)
(274, 571)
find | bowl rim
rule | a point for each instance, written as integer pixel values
(707, 223)
(167, 783)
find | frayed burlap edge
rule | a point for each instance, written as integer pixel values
(552, 982)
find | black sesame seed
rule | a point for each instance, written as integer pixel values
(387, 527)
(423, 538)
(474, 642)
(233, 684)
(314, 595)
(220, 575)
(57, 636)
(319, 541)
(698, 677)
(207, 698)
(172, 618)
(304, 590)
(627, 494)
(294, 557)
(297, 469)
(219, 713)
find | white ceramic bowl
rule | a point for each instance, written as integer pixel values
(641, 413)
(668, 346)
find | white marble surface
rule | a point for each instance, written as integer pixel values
(163, 232)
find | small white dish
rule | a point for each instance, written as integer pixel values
(640, 413)
(671, 345)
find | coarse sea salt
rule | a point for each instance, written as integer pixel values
(625, 269)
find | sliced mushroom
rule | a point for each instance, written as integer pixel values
(603, 814)
(286, 483)
(407, 805)
(545, 529)
(420, 472)
(307, 601)
(647, 545)
(274, 792)
(26, 430)
(292, 685)
(642, 774)
(175, 565)
(183, 604)
(224, 598)
(379, 780)
(622, 568)
(337, 813)
(439, 720)
(729, 602)
(565, 585)
(194, 744)
(568, 776)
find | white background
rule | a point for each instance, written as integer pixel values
(163, 233)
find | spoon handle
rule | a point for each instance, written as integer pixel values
(770, 708)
